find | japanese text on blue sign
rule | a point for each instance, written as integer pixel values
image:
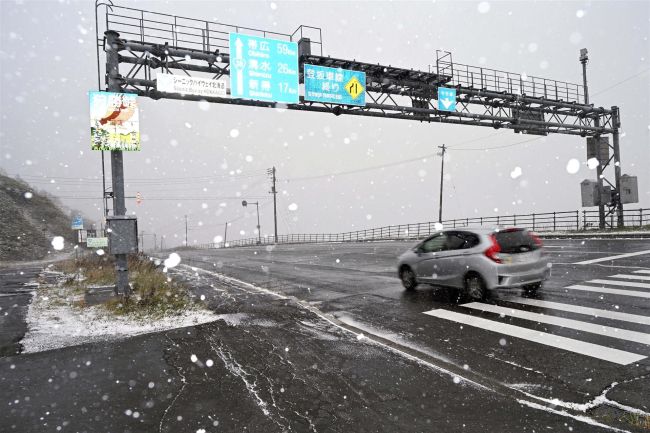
(337, 86)
(263, 69)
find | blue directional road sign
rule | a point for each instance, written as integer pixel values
(446, 99)
(263, 69)
(77, 223)
(337, 86)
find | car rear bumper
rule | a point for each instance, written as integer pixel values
(522, 279)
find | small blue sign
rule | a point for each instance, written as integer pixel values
(446, 99)
(77, 223)
(337, 86)
(263, 69)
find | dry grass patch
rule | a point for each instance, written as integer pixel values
(154, 293)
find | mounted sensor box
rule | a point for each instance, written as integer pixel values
(598, 147)
(591, 196)
(122, 234)
(629, 189)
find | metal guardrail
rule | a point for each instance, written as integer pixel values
(494, 80)
(189, 33)
(541, 222)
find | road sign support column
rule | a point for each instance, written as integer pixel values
(616, 124)
(117, 164)
(442, 174)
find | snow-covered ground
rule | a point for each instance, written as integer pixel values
(54, 321)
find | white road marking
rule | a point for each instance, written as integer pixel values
(606, 314)
(621, 283)
(642, 272)
(605, 259)
(592, 328)
(610, 291)
(589, 349)
(631, 277)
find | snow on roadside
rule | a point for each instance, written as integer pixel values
(53, 324)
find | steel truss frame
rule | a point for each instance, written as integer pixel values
(396, 93)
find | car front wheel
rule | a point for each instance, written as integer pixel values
(408, 279)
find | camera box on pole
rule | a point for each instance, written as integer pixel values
(629, 189)
(598, 147)
(122, 234)
(589, 193)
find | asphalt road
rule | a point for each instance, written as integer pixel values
(356, 282)
(323, 338)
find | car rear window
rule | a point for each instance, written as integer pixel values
(515, 241)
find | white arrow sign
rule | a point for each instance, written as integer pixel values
(240, 72)
(446, 102)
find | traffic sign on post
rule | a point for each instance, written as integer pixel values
(446, 99)
(77, 223)
(334, 85)
(263, 69)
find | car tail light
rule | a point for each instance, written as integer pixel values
(493, 251)
(536, 239)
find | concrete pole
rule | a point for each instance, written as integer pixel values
(259, 230)
(275, 211)
(117, 163)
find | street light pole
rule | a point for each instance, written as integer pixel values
(442, 173)
(225, 234)
(259, 230)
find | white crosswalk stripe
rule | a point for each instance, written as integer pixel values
(631, 277)
(595, 312)
(569, 344)
(607, 331)
(621, 283)
(621, 292)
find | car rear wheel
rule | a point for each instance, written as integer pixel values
(408, 279)
(474, 288)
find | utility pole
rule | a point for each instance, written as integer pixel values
(185, 230)
(271, 172)
(162, 237)
(442, 174)
(154, 242)
(225, 234)
(112, 47)
(259, 230)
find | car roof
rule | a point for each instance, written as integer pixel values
(481, 230)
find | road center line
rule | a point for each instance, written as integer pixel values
(605, 259)
(595, 312)
(621, 283)
(589, 349)
(592, 328)
(610, 291)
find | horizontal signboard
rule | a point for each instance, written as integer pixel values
(96, 242)
(185, 85)
(334, 85)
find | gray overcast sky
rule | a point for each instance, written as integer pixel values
(47, 58)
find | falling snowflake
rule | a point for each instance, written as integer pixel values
(234, 133)
(58, 243)
(194, 358)
(515, 173)
(573, 166)
(293, 207)
(483, 7)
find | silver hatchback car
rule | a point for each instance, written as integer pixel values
(476, 260)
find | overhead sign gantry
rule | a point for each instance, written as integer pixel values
(266, 69)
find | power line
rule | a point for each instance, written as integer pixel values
(621, 82)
